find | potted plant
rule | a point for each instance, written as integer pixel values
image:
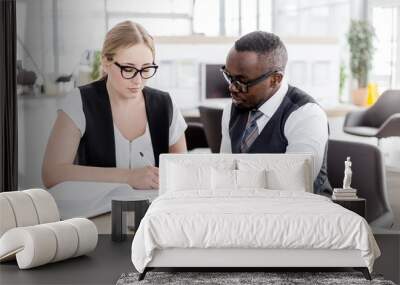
(342, 81)
(96, 66)
(360, 38)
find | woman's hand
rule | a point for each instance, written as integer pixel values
(144, 178)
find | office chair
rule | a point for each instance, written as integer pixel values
(211, 119)
(382, 120)
(368, 178)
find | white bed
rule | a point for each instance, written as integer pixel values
(220, 211)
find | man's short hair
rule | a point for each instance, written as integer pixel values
(265, 44)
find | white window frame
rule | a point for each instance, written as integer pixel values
(395, 81)
(190, 17)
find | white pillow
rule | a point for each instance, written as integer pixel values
(223, 179)
(251, 178)
(284, 174)
(183, 177)
(230, 180)
(292, 178)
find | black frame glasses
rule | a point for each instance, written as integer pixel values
(129, 72)
(243, 87)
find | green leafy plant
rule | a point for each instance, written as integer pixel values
(342, 80)
(360, 38)
(95, 73)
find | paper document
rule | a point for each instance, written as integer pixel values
(89, 199)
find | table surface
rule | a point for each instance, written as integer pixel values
(349, 200)
(129, 199)
(104, 265)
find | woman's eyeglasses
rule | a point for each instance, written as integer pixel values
(241, 86)
(129, 72)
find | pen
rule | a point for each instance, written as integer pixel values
(145, 159)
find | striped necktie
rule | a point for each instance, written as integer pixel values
(251, 132)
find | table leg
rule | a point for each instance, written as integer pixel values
(117, 221)
(140, 210)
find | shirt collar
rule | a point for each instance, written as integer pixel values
(271, 105)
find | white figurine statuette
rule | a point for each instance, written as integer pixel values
(347, 174)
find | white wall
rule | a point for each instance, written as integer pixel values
(81, 26)
(57, 46)
(313, 66)
(179, 71)
(36, 117)
(35, 30)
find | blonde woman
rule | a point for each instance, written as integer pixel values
(116, 128)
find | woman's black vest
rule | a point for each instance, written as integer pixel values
(272, 138)
(97, 145)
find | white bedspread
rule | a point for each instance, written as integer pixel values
(250, 219)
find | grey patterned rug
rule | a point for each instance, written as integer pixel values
(228, 278)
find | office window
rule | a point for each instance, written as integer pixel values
(317, 18)
(265, 16)
(161, 18)
(244, 16)
(232, 17)
(386, 64)
(150, 6)
(206, 15)
(248, 16)
(186, 17)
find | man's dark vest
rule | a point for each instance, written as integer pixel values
(272, 138)
(97, 145)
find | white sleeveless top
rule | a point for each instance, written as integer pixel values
(126, 152)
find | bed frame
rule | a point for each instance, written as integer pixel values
(242, 259)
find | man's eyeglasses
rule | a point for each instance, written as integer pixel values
(241, 86)
(129, 72)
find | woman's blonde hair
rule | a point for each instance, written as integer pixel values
(124, 35)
